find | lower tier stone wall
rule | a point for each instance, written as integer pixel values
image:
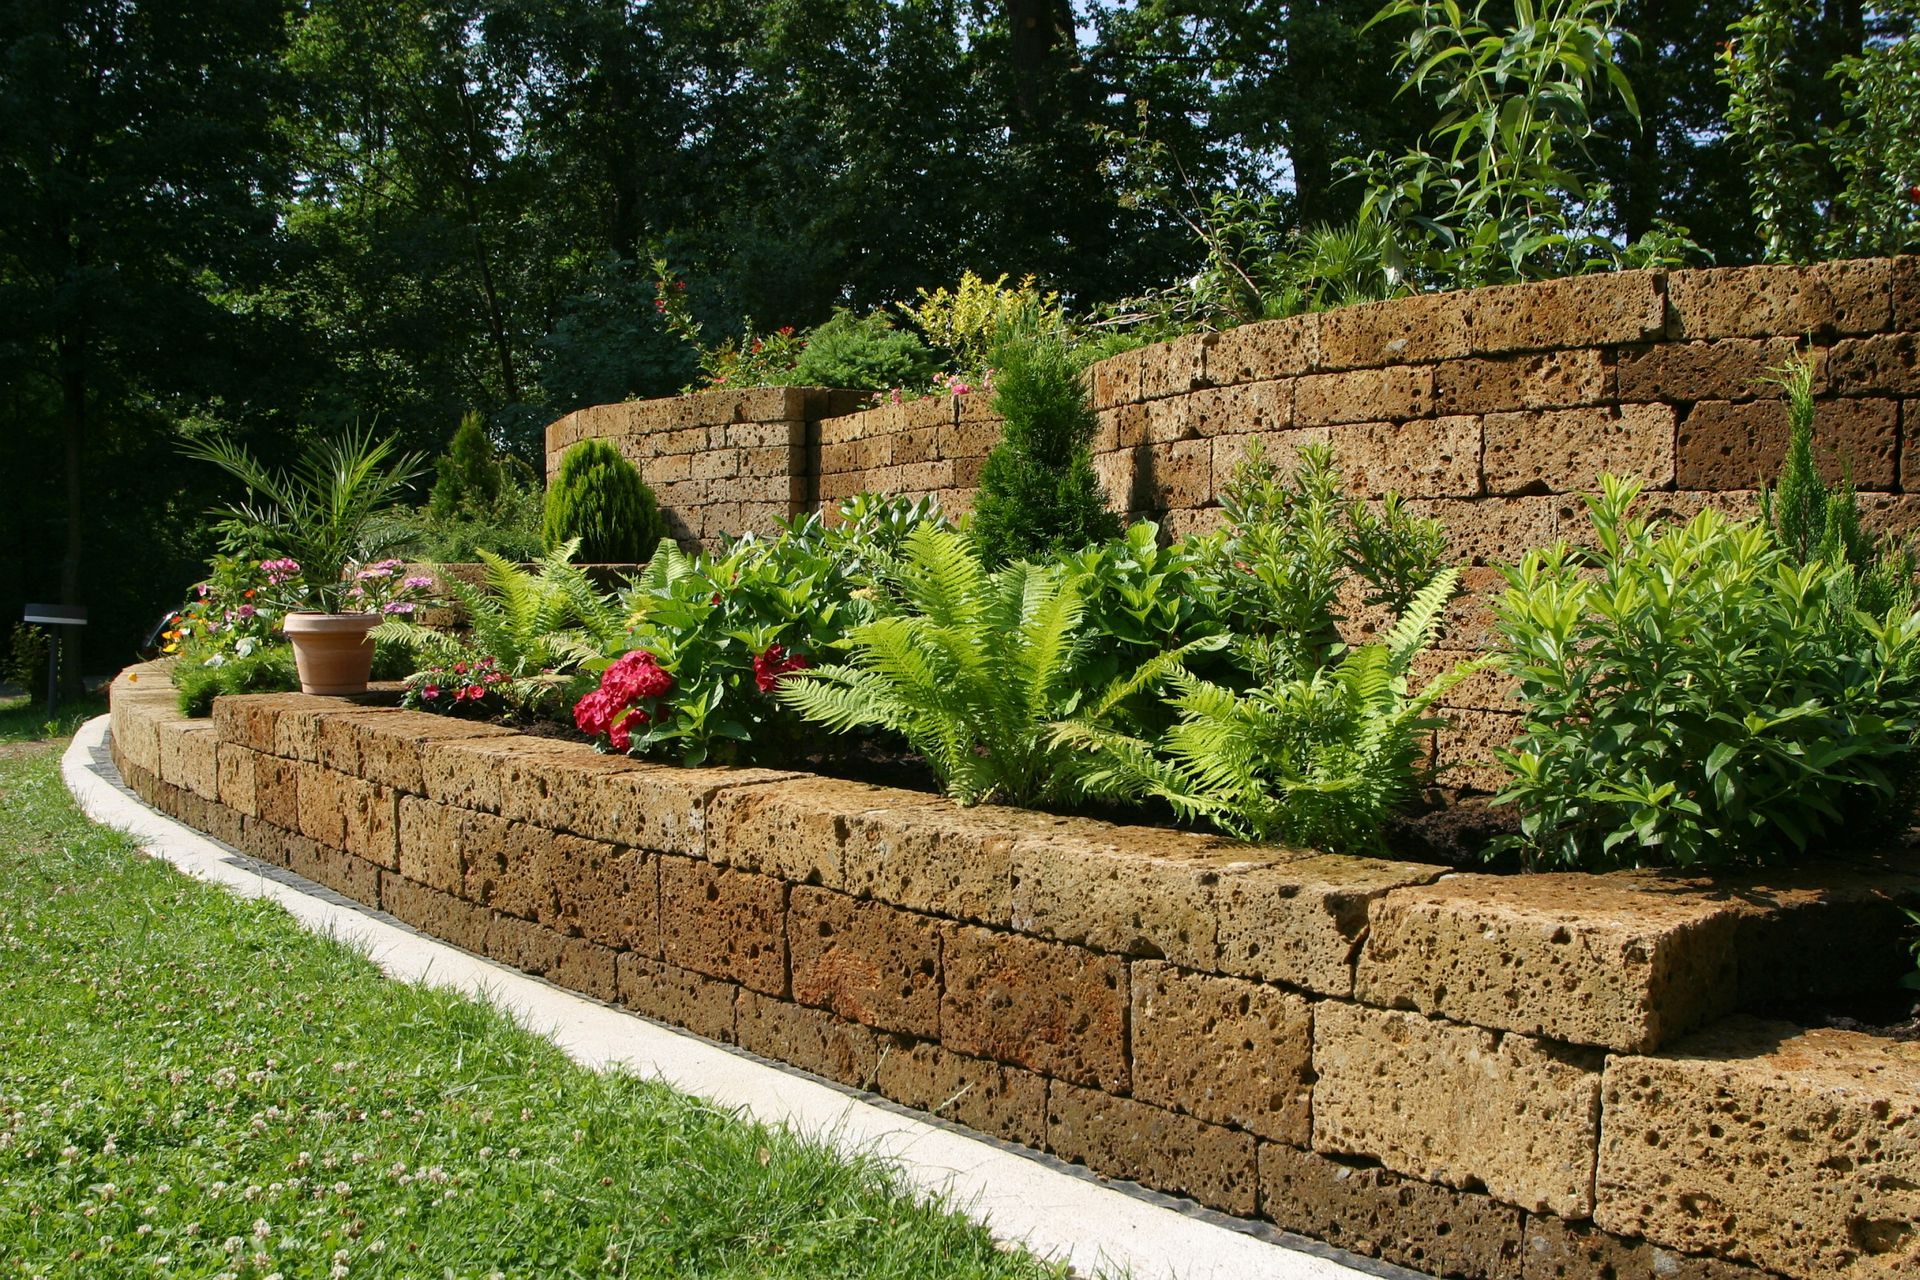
(1477, 1076)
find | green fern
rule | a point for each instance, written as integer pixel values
(1319, 759)
(974, 675)
(538, 626)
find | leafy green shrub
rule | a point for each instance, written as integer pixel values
(1701, 700)
(1323, 758)
(532, 628)
(973, 674)
(26, 658)
(730, 629)
(1292, 547)
(599, 502)
(266, 670)
(863, 352)
(1038, 493)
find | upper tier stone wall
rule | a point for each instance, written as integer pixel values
(1490, 409)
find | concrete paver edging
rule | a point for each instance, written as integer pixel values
(1052, 1209)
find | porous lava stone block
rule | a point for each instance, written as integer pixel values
(337, 740)
(1139, 891)
(941, 859)
(1619, 962)
(1461, 1106)
(429, 844)
(440, 915)
(1122, 1138)
(1722, 445)
(1271, 349)
(1728, 369)
(1170, 368)
(276, 790)
(390, 746)
(189, 756)
(1363, 395)
(723, 923)
(237, 779)
(1888, 364)
(1770, 301)
(1116, 380)
(501, 865)
(1425, 458)
(1052, 1008)
(875, 964)
(1225, 1050)
(1242, 409)
(811, 1039)
(605, 893)
(1567, 450)
(1796, 1150)
(798, 830)
(470, 773)
(1300, 921)
(573, 963)
(1427, 326)
(1374, 1212)
(1579, 311)
(678, 997)
(251, 720)
(335, 868)
(985, 1096)
(1532, 380)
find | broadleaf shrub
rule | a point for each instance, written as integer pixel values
(600, 500)
(1695, 698)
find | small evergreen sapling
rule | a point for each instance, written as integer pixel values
(600, 499)
(468, 477)
(1038, 491)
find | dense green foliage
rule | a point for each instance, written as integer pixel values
(731, 628)
(197, 682)
(865, 353)
(535, 626)
(1038, 493)
(972, 670)
(1703, 699)
(600, 506)
(1322, 759)
(197, 1086)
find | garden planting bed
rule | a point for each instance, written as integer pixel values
(1515, 1076)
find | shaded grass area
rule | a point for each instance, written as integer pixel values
(191, 1085)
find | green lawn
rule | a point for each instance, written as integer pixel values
(190, 1085)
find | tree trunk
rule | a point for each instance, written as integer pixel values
(73, 385)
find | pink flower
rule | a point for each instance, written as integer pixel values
(474, 692)
(430, 692)
(418, 583)
(396, 606)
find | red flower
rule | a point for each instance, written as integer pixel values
(768, 667)
(1913, 193)
(659, 304)
(786, 331)
(474, 692)
(460, 668)
(431, 692)
(610, 709)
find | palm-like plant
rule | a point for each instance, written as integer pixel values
(974, 675)
(536, 624)
(1319, 758)
(319, 511)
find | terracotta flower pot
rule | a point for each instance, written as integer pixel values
(333, 651)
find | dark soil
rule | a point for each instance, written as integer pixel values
(1454, 830)
(1890, 1015)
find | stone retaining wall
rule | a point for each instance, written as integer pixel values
(1494, 409)
(1547, 1076)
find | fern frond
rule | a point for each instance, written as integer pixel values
(1420, 624)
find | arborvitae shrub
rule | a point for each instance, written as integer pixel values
(1038, 492)
(468, 477)
(600, 499)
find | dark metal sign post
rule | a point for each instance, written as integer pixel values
(55, 615)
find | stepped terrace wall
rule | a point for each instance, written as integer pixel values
(1548, 1076)
(1493, 409)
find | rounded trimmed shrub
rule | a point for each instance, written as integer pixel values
(599, 498)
